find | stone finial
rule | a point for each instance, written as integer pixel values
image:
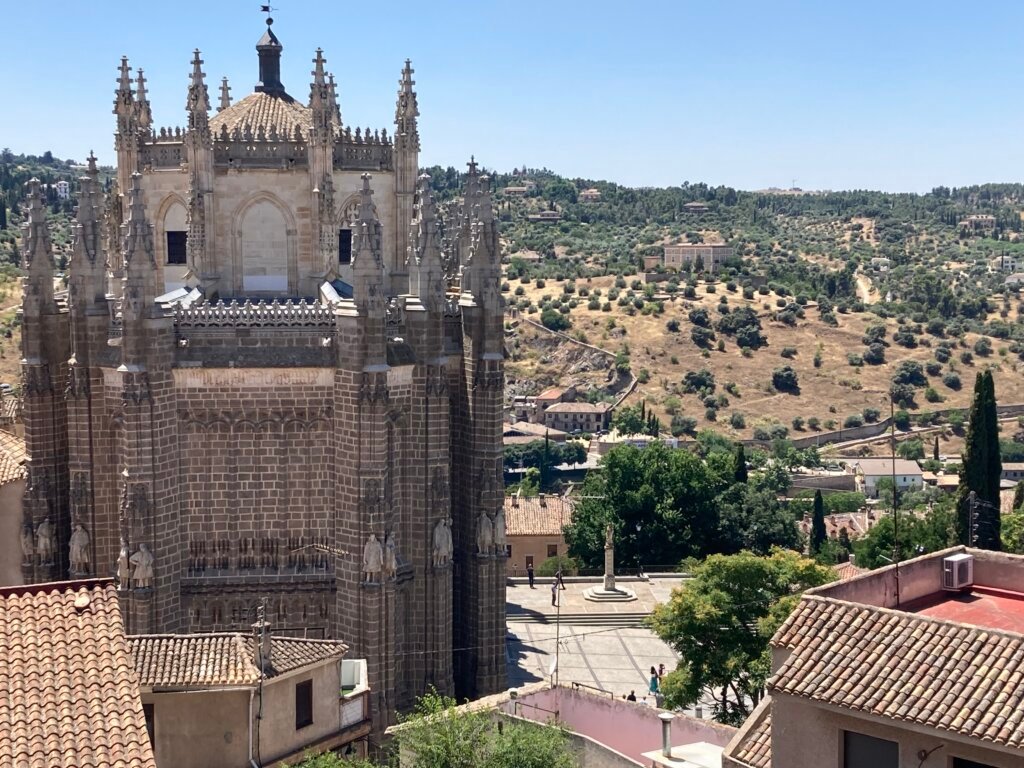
(225, 95)
(318, 73)
(332, 89)
(198, 103)
(37, 248)
(406, 111)
(92, 170)
(144, 114)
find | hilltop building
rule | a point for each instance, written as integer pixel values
(270, 380)
(704, 256)
(911, 665)
(978, 222)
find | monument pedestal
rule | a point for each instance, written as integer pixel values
(608, 592)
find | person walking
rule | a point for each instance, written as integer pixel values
(559, 579)
(661, 672)
(529, 574)
(653, 687)
(554, 593)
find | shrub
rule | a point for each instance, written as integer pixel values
(910, 449)
(711, 414)
(933, 367)
(552, 565)
(814, 423)
(853, 420)
(871, 415)
(672, 405)
(594, 304)
(854, 359)
(539, 283)
(737, 420)
(966, 358)
(901, 419)
(699, 381)
(554, 320)
(932, 396)
(700, 316)
(672, 326)
(682, 425)
(983, 347)
(875, 354)
(902, 395)
(788, 352)
(942, 354)
(952, 380)
(909, 372)
(785, 379)
(798, 423)
(702, 337)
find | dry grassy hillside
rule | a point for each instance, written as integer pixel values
(832, 391)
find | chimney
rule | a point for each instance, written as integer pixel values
(666, 733)
(853, 559)
(262, 645)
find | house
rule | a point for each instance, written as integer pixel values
(579, 417)
(1013, 471)
(63, 189)
(591, 195)
(1017, 278)
(856, 524)
(1007, 262)
(915, 665)
(706, 256)
(696, 207)
(550, 217)
(69, 695)
(530, 431)
(518, 191)
(868, 473)
(12, 489)
(223, 699)
(614, 438)
(533, 527)
(978, 222)
(881, 263)
(941, 480)
(604, 731)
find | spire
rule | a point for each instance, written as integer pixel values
(320, 98)
(124, 101)
(335, 106)
(225, 95)
(38, 253)
(198, 103)
(138, 300)
(429, 266)
(269, 50)
(143, 112)
(406, 111)
(88, 268)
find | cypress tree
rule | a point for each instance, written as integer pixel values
(935, 450)
(981, 470)
(818, 534)
(740, 473)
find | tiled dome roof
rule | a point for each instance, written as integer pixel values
(263, 110)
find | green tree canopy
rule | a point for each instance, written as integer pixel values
(720, 622)
(981, 470)
(916, 536)
(818, 532)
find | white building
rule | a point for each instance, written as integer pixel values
(869, 472)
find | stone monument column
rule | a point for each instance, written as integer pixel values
(609, 559)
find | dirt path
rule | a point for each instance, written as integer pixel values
(865, 289)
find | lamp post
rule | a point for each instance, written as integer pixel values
(639, 572)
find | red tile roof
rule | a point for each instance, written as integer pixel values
(901, 666)
(754, 749)
(12, 458)
(537, 515)
(70, 695)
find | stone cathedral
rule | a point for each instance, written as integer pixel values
(275, 382)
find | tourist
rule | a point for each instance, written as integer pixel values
(654, 680)
(632, 696)
(558, 578)
(661, 671)
(529, 574)
(554, 592)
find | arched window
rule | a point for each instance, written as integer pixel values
(176, 234)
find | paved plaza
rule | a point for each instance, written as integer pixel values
(601, 645)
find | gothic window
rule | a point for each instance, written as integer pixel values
(303, 704)
(176, 251)
(344, 246)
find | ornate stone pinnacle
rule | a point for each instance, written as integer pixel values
(92, 164)
(225, 95)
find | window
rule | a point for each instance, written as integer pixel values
(303, 704)
(529, 561)
(344, 246)
(176, 250)
(860, 751)
(961, 762)
(147, 710)
(508, 550)
(552, 550)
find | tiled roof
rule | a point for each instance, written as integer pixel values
(263, 110)
(12, 456)
(221, 659)
(537, 515)
(193, 661)
(847, 570)
(755, 747)
(10, 407)
(874, 467)
(70, 696)
(900, 666)
(12, 445)
(579, 408)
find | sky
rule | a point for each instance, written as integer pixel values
(898, 96)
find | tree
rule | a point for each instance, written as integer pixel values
(935, 449)
(630, 419)
(818, 533)
(1018, 497)
(785, 379)
(554, 320)
(720, 623)
(660, 501)
(751, 517)
(935, 531)
(439, 735)
(740, 475)
(981, 470)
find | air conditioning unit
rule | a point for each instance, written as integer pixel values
(957, 571)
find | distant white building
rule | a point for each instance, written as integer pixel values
(868, 473)
(63, 189)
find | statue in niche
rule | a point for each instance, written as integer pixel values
(484, 534)
(79, 550)
(142, 561)
(45, 542)
(28, 544)
(500, 542)
(442, 542)
(373, 560)
(390, 557)
(124, 570)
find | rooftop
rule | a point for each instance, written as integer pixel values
(979, 607)
(885, 466)
(579, 408)
(70, 693)
(537, 515)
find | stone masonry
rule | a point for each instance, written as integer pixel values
(305, 414)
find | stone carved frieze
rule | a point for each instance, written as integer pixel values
(373, 388)
(78, 382)
(36, 380)
(135, 389)
(255, 314)
(260, 420)
(437, 380)
(489, 379)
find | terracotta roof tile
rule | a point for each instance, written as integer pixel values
(537, 515)
(847, 570)
(935, 673)
(755, 748)
(221, 659)
(71, 696)
(263, 110)
(13, 446)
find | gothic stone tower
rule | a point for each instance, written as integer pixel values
(267, 385)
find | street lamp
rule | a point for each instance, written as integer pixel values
(639, 572)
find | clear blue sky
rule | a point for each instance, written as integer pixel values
(896, 95)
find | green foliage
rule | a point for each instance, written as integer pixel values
(720, 623)
(981, 470)
(702, 381)
(916, 536)
(553, 565)
(818, 532)
(437, 735)
(901, 419)
(554, 320)
(332, 760)
(752, 518)
(911, 449)
(629, 420)
(785, 379)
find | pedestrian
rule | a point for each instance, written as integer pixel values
(661, 672)
(559, 579)
(632, 696)
(529, 574)
(554, 593)
(654, 680)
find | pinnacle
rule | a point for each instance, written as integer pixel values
(318, 70)
(92, 164)
(36, 212)
(140, 86)
(124, 82)
(136, 208)
(225, 95)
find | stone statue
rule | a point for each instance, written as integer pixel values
(390, 557)
(484, 535)
(79, 550)
(442, 543)
(499, 533)
(609, 534)
(28, 544)
(124, 570)
(373, 560)
(142, 576)
(45, 542)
